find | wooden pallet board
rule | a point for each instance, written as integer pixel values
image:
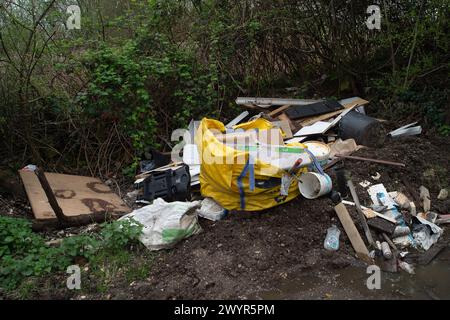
(76, 195)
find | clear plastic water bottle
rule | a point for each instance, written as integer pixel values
(332, 239)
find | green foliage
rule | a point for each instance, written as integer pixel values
(24, 253)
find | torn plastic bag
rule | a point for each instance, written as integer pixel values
(425, 233)
(165, 223)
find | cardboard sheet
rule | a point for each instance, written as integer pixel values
(76, 196)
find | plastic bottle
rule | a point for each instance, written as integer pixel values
(332, 239)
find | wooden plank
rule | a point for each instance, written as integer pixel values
(276, 112)
(311, 120)
(76, 196)
(352, 233)
(362, 218)
(284, 117)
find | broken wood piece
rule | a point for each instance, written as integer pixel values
(352, 233)
(285, 126)
(382, 225)
(278, 111)
(371, 160)
(425, 198)
(426, 257)
(284, 117)
(347, 103)
(369, 213)
(361, 216)
(389, 241)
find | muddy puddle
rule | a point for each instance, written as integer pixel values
(429, 282)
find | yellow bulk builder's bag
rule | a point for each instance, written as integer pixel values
(232, 177)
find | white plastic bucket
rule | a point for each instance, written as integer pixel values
(314, 185)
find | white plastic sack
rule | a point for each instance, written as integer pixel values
(211, 210)
(166, 223)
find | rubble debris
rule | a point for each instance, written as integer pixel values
(443, 194)
(365, 183)
(165, 224)
(425, 198)
(376, 177)
(407, 130)
(380, 196)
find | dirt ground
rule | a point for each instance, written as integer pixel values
(249, 253)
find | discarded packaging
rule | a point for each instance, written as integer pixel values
(407, 130)
(387, 253)
(406, 267)
(443, 194)
(425, 233)
(211, 210)
(341, 147)
(401, 231)
(332, 239)
(165, 223)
